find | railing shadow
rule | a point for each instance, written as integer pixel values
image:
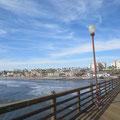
(94, 113)
(116, 101)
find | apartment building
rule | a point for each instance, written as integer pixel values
(99, 65)
(116, 64)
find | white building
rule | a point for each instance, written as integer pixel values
(116, 64)
(99, 65)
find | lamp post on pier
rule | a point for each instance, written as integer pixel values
(92, 33)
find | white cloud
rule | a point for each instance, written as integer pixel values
(70, 10)
(108, 58)
(116, 1)
(22, 64)
(3, 50)
(2, 32)
(63, 10)
(45, 25)
(51, 26)
(99, 46)
(23, 7)
(4, 63)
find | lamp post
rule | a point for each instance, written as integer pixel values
(92, 33)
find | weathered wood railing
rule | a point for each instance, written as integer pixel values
(58, 106)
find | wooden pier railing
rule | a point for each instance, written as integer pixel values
(57, 106)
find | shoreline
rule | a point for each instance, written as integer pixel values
(45, 78)
(55, 78)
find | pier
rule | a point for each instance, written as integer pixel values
(74, 104)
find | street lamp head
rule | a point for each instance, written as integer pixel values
(92, 29)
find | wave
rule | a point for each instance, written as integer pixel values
(43, 87)
(43, 90)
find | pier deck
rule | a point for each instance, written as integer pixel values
(113, 111)
(108, 110)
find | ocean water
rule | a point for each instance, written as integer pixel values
(15, 90)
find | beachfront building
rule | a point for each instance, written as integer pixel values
(116, 64)
(99, 65)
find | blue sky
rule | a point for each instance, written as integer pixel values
(54, 33)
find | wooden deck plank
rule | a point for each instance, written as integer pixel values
(113, 111)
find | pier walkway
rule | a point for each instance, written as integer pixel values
(113, 111)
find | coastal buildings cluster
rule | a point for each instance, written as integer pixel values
(64, 72)
(116, 64)
(102, 71)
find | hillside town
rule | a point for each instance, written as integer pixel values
(102, 71)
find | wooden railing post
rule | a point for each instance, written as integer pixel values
(91, 92)
(78, 98)
(109, 85)
(115, 82)
(99, 90)
(53, 109)
(112, 84)
(105, 90)
(119, 81)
